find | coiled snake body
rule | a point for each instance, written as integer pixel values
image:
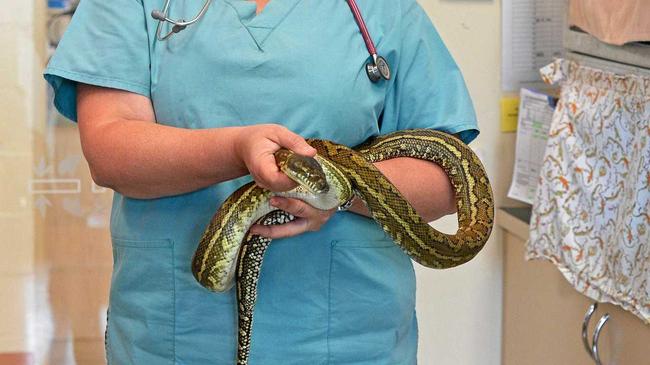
(226, 250)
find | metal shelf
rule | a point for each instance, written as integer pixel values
(632, 57)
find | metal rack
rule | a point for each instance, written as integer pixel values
(632, 57)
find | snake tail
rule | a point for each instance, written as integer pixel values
(249, 267)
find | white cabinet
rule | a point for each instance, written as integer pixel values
(543, 314)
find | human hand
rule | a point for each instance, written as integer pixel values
(307, 217)
(255, 146)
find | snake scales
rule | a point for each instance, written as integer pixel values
(226, 250)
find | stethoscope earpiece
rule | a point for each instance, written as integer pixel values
(177, 28)
(158, 15)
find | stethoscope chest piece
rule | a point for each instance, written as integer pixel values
(378, 69)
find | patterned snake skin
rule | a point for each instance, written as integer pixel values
(226, 249)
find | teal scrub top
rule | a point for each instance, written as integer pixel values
(342, 295)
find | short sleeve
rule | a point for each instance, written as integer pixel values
(106, 44)
(428, 90)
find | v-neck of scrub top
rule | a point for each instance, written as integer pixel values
(261, 25)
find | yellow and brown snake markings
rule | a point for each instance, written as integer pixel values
(226, 251)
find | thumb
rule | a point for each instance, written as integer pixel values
(295, 143)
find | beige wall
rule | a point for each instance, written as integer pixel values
(460, 309)
(22, 105)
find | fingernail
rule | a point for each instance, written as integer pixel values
(309, 150)
(275, 201)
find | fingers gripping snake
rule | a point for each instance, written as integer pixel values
(226, 249)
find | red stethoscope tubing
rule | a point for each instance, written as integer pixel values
(378, 68)
(362, 27)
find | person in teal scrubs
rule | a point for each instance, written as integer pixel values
(175, 126)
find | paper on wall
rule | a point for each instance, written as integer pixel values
(534, 121)
(531, 39)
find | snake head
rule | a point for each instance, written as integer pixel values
(304, 170)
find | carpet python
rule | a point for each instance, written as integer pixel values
(226, 250)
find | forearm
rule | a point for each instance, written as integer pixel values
(424, 184)
(141, 159)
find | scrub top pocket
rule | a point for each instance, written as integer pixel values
(372, 304)
(141, 321)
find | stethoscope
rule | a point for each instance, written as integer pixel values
(376, 69)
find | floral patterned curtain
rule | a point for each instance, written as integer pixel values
(591, 215)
